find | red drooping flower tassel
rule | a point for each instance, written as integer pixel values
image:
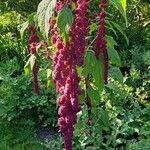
(33, 41)
(79, 31)
(101, 43)
(66, 58)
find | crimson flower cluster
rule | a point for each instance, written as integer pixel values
(60, 4)
(66, 58)
(79, 32)
(101, 41)
(33, 42)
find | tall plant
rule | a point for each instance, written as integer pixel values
(67, 26)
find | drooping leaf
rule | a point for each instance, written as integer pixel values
(29, 64)
(121, 31)
(65, 20)
(109, 26)
(32, 61)
(94, 67)
(44, 13)
(23, 27)
(48, 15)
(32, 18)
(121, 6)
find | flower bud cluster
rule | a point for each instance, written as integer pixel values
(79, 31)
(101, 43)
(33, 42)
(66, 58)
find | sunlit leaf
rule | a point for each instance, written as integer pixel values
(44, 13)
(23, 27)
(121, 6)
(65, 20)
(29, 64)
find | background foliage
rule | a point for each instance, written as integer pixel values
(121, 113)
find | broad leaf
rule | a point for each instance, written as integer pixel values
(98, 72)
(114, 57)
(44, 13)
(110, 41)
(94, 67)
(94, 95)
(112, 53)
(89, 63)
(116, 74)
(65, 20)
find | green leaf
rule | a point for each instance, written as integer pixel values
(93, 27)
(22, 28)
(44, 13)
(3, 110)
(94, 95)
(121, 31)
(109, 26)
(88, 64)
(98, 73)
(65, 20)
(49, 73)
(104, 117)
(110, 41)
(124, 5)
(79, 70)
(114, 57)
(101, 118)
(32, 61)
(116, 74)
(32, 18)
(121, 6)
(113, 87)
(48, 15)
(112, 53)
(29, 65)
(27, 70)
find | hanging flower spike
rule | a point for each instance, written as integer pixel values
(79, 31)
(66, 58)
(33, 42)
(101, 43)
